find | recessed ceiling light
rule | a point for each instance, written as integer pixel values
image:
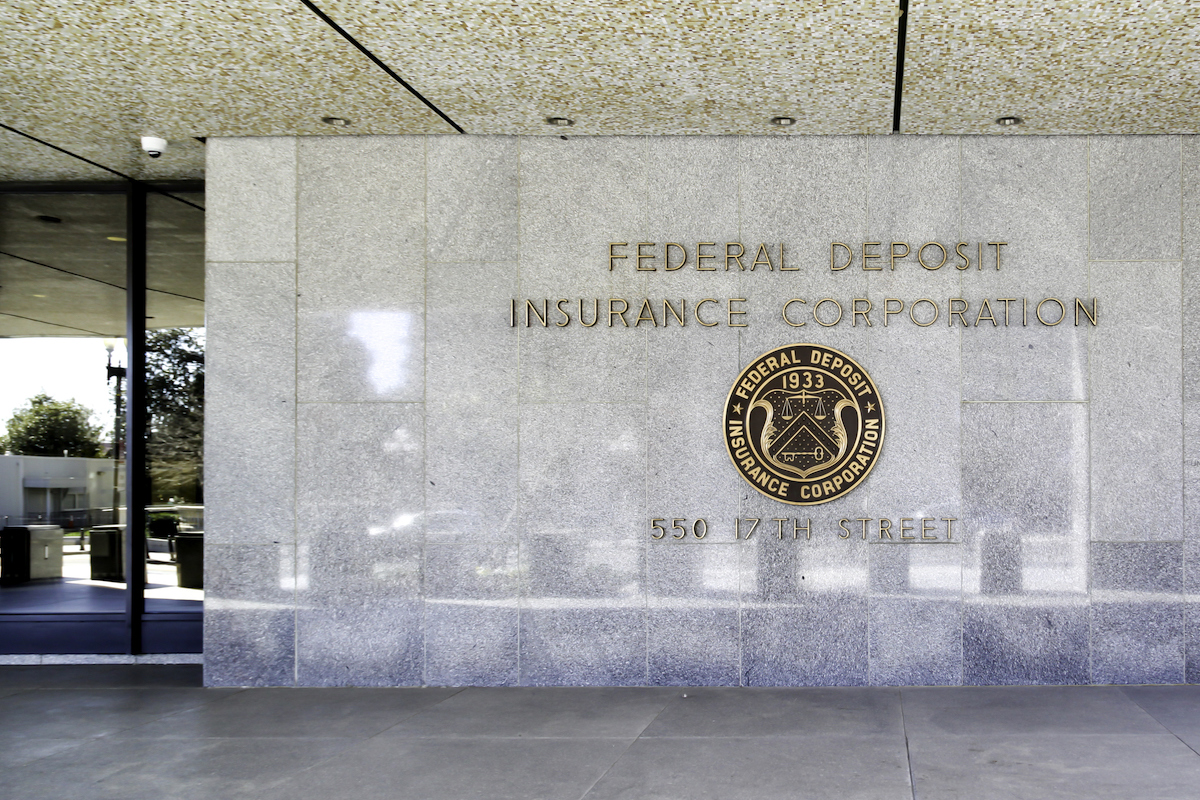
(50, 219)
(560, 122)
(115, 238)
(1007, 121)
(783, 122)
(337, 122)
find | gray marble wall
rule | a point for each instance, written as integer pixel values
(403, 489)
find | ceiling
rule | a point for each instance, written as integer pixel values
(93, 77)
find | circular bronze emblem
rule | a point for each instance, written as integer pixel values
(804, 424)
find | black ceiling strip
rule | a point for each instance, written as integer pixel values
(173, 197)
(94, 164)
(97, 280)
(901, 36)
(55, 324)
(325, 18)
(60, 269)
(173, 294)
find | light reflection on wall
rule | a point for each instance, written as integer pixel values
(385, 335)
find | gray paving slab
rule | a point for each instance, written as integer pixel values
(296, 713)
(1054, 767)
(81, 713)
(456, 769)
(149, 732)
(19, 752)
(718, 768)
(100, 676)
(145, 769)
(560, 712)
(733, 712)
(1177, 708)
(1024, 710)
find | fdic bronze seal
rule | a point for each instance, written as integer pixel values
(804, 424)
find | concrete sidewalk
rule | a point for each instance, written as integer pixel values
(151, 732)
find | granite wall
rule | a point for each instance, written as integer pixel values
(405, 488)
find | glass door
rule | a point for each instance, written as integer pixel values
(87, 564)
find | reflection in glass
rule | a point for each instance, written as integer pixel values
(174, 435)
(62, 475)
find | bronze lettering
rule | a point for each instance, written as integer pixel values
(696, 312)
(833, 256)
(737, 257)
(679, 316)
(595, 313)
(959, 313)
(612, 256)
(912, 312)
(732, 313)
(542, 317)
(1006, 301)
(646, 314)
(985, 307)
(921, 255)
(966, 258)
(785, 312)
(817, 308)
(762, 257)
(667, 257)
(1091, 316)
(854, 312)
(866, 255)
(644, 257)
(997, 245)
(611, 313)
(1062, 311)
(887, 309)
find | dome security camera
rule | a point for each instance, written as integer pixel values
(154, 146)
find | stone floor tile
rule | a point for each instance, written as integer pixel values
(862, 767)
(735, 712)
(551, 712)
(1053, 767)
(456, 769)
(1020, 710)
(297, 713)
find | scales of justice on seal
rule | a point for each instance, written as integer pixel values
(804, 424)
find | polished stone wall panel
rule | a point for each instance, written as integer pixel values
(1025, 490)
(361, 271)
(249, 615)
(250, 199)
(1128, 172)
(1030, 642)
(418, 488)
(1136, 457)
(693, 626)
(1138, 642)
(590, 645)
(472, 197)
(916, 615)
(1045, 256)
(250, 416)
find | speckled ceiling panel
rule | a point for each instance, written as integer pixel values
(95, 76)
(640, 66)
(1102, 67)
